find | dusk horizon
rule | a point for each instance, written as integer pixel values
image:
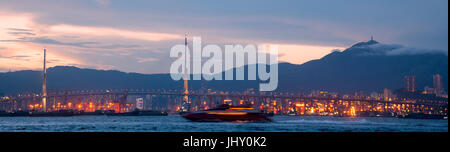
(140, 34)
(405, 51)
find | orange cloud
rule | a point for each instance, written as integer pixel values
(19, 55)
(66, 45)
(111, 32)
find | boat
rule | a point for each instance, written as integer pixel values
(19, 114)
(375, 114)
(59, 113)
(133, 113)
(95, 113)
(138, 113)
(227, 113)
(4, 114)
(423, 116)
(14, 114)
(152, 113)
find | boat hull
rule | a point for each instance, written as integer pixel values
(53, 114)
(205, 117)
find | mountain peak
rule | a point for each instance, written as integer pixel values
(363, 48)
(363, 44)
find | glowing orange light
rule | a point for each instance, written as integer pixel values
(237, 108)
(227, 113)
(352, 111)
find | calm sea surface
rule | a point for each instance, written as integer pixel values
(175, 123)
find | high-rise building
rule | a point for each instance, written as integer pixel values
(428, 90)
(437, 83)
(387, 94)
(410, 83)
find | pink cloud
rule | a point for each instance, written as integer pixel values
(143, 60)
(111, 32)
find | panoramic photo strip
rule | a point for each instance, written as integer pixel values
(219, 75)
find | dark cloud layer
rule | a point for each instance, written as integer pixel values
(413, 23)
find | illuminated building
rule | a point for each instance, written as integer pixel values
(437, 83)
(140, 103)
(428, 90)
(410, 83)
(387, 94)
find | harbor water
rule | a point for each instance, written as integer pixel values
(176, 123)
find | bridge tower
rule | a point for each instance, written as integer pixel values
(186, 102)
(44, 84)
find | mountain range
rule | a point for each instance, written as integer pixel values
(366, 66)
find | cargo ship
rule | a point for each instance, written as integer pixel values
(14, 114)
(68, 113)
(424, 116)
(227, 113)
(138, 113)
(95, 113)
(59, 113)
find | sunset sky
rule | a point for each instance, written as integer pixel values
(136, 35)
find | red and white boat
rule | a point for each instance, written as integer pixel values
(226, 113)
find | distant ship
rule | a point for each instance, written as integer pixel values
(14, 114)
(226, 113)
(138, 113)
(59, 113)
(424, 116)
(68, 113)
(95, 113)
